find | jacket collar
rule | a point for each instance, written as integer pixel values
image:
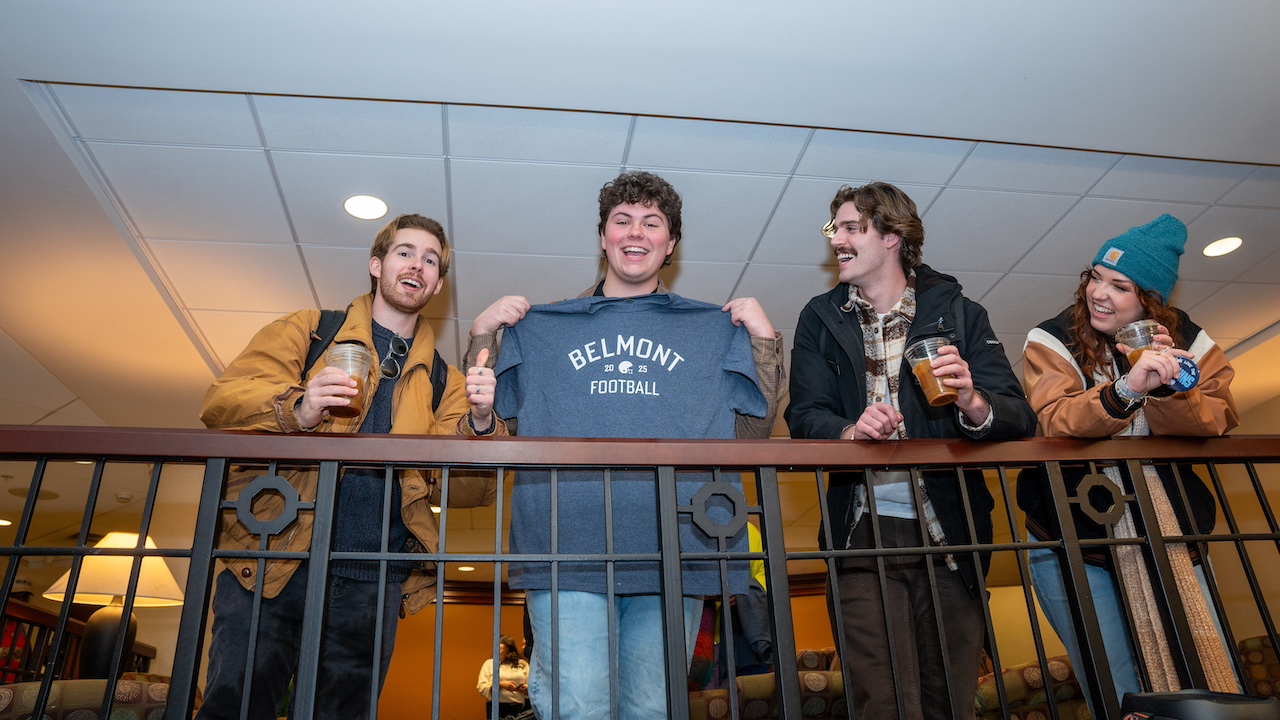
(358, 327)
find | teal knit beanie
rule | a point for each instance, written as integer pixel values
(1148, 254)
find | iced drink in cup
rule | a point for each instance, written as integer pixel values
(1141, 336)
(919, 355)
(355, 359)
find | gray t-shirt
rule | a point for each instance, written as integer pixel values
(654, 366)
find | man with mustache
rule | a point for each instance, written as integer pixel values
(850, 381)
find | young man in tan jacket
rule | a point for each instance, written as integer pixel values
(264, 389)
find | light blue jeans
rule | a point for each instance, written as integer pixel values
(1051, 592)
(583, 654)
(1046, 578)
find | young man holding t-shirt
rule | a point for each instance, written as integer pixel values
(627, 358)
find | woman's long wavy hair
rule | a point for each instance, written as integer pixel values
(1094, 350)
(507, 651)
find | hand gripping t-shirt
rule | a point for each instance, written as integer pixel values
(654, 366)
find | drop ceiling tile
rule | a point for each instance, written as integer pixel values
(75, 413)
(975, 284)
(723, 215)
(1073, 243)
(988, 230)
(866, 157)
(224, 276)
(1256, 383)
(316, 185)
(17, 413)
(1013, 344)
(1260, 188)
(39, 389)
(1257, 260)
(1020, 302)
(342, 274)
(482, 278)
(229, 332)
(1169, 180)
(1225, 343)
(1024, 168)
(350, 126)
(793, 512)
(706, 281)
(1266, 271)
(716, 146)
(794, 235)
(159, 116)
(539, 135)
(1238, 310)
(784, 290)
(556, 210)
(1189, 293)
(195, 193)
(802, 536)
(447, 340)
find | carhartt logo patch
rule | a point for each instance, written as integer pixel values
(1112, 256)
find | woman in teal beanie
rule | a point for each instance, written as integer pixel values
(1081, 384)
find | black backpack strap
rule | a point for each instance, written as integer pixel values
(326, 330)
(439, 378)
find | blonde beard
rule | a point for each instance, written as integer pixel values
(389, 291)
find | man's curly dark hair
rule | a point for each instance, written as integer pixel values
(642, 188)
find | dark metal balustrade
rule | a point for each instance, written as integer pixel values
(1241, 471)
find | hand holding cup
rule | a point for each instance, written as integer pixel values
(922, 355)
(340, 387)
(1153, 360)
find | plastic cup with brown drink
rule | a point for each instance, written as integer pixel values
(920, 354)
(355, 359)
(1140, 336)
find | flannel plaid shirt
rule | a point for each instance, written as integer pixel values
(883, 344)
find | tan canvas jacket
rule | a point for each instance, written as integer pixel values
(258, 391)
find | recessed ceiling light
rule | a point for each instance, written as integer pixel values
(1223, 246)
(5, 523)
(465, 568)
(365, 207)
(22, 492)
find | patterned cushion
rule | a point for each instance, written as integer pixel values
(1025, 686)
(824, 659)
(82, 700)
(821, 696)
(1261, 669)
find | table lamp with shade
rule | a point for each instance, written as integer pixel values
(104, 580)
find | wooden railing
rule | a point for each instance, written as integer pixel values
(1248, 463)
